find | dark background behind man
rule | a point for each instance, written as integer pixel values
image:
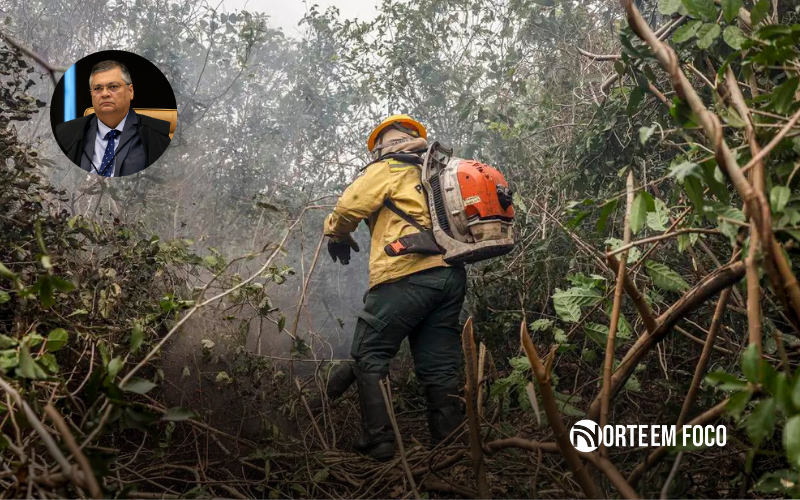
(152, 87)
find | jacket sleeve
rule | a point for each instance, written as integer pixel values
(361, 199)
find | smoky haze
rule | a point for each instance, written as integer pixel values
(272, 121)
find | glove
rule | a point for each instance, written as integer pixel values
(341, 249)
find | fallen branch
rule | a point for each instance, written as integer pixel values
(599, 57)
(700, 370)
(660, 237)
(569, 453)
(69, 440)
(398, 437)
(471, 387)
(642, 307)
(605, 395)
(712, 284)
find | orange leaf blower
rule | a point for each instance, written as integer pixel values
(470, 205)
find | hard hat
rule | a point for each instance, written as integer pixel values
(403, 120)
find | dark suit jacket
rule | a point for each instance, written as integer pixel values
(143, 140)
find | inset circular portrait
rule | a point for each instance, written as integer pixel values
(113, 113)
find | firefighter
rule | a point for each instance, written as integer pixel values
(414, 295)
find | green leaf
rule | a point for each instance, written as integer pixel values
(606, 211)
(707, 35)
(49, 361)
(540, 325)
(281, 323)
(665, 278)
(4, 297)
(624, 329)
(783, 95)
(780, 390)
(114, 366)
(137, 337)
(28, 368)
(45, 291)
(321, 475)
(759, 12)
(686, 32)
(176, 414)
(138, 385)
(633, 253)
(791, 440)
(734, 37)
(658, 219)
(684, 170)
(61, 284)
(638, 212)
(794, 392)
(737, 403)
(57, 339)
(686, 240)
(668, 7)
(779, 197)
(701, 9)
(730, 9)
(751, 360)
(633, 384)
(634, 100)
(721, 213)
(6, 272)
(761, 423)
(597, 332)
(728, 114)
(33, 339)
(694, 190)
(725, 381)
(567, 303)
(6, 341)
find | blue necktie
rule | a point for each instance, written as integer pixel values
(108, 156)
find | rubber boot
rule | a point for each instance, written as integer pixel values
(376, 438)
(340, 379)
(444, 414)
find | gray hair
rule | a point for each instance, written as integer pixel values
(109, 65)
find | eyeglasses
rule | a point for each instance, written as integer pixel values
(112, 87)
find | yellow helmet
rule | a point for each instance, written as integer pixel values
(404, 120)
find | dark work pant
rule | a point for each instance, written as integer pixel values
(424, 306)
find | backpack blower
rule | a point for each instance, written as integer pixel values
(470, 207)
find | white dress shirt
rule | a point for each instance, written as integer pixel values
(100, 143)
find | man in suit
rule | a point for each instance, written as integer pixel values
(114, 141)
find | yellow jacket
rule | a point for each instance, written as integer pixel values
(363, 199)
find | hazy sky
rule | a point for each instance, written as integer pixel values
(287, 13)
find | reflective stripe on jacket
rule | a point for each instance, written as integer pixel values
(363, 199)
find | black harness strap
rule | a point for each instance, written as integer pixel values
(403, 215)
